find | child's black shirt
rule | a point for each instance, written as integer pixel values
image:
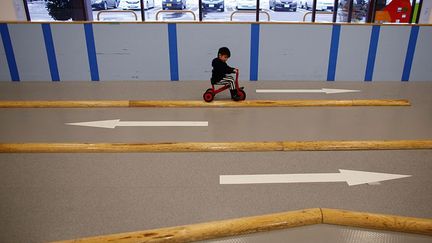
(220, 69)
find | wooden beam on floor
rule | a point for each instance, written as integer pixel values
(213, 146)
(63, 103)
(357, 145)
(196, 103)
(269, 222)
(138, 147)
(217, 229)
(377, 221)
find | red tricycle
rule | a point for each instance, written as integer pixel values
(210, 93)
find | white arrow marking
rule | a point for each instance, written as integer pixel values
(352, 177)
(327, 91)
(118, 123)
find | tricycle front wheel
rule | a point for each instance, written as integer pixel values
(241, 95)
(208, 96)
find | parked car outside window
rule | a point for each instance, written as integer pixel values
(322, 5)
(173, 4)
(283, 5)
(136, 4)
(104, 4)
(218, 5)
(246, 4)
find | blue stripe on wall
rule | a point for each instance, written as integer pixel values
(410, 53)
(373, 46)
(10, 56)
(254, 52)
(173, 55)
(91, 51)
(334, 47)
(49, 46)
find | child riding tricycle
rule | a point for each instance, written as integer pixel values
(220, 76)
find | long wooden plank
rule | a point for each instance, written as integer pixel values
(246, 103)
(63, 103)
(232, 227)
(213, 146)
(138, 147)
(356, 145)
(216, 229)
(194, 103)
(377, 221)
(381, 102)
(269, 103)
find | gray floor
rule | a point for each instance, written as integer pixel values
(193, 90)
(48, 197)
(225, 124)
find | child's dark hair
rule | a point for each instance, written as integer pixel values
(224, 51)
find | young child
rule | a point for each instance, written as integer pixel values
(221, 70)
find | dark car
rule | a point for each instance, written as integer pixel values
(283, 5)
(173, 4)
(213, 5)
(104, 4)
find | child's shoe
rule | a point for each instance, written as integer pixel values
(234, 94)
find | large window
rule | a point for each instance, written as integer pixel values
(227, 10)
(162, 10)
(354, 11)
(41, 10)
(323, 10)
(118, 10)
(288, 10)
(217, 10)
(176, 10)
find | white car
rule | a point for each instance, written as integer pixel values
(135, 4)
(321, 4)
(246, 4)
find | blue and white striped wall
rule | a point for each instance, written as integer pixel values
(183, 51)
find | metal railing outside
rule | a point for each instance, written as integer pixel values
(116, 11)
(306, 14)
(175, 11)
(248, 12)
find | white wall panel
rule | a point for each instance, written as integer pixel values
(421, 69)
(30, 52)
(198, 45)
(353, 52)
(71, 52)
(132, 51)
(391, 53)
(4, 68)
(294, 52)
